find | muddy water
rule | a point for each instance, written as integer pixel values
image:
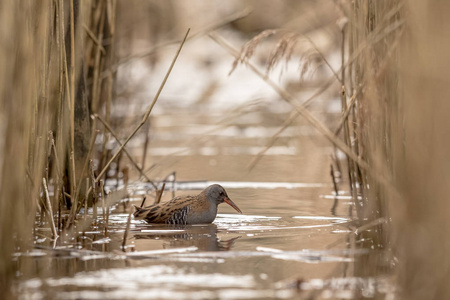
(293, 240)
(282, 237)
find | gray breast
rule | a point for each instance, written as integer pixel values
(203, 217)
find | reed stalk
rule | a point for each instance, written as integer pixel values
(22, 157)
(94, 189)
(159, 194)
(86, 197)
(149, 110)
(127, 230)
(72, 102)
(132, 160)
(49, 209)
(102, 195)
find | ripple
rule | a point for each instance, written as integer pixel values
(158, 281)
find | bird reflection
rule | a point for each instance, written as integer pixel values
(204, 237)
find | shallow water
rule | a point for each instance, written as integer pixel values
(286, 240)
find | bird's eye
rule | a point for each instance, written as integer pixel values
(221, 194)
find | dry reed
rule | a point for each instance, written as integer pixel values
(46, 52)
(386, 78)
(386, 130)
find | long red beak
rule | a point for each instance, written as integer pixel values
(231, 203)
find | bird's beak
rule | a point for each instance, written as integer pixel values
(231, 203)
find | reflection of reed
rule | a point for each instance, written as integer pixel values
(203, 237)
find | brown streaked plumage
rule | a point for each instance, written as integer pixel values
(200, 209)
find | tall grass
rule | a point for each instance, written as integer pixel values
(403, 123)
(420, 147)
(24, 96)
(374, 33)
(394, 130)
(45, 55)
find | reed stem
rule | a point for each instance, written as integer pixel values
(49, 209)
(149, 110)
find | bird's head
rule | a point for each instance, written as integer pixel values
(217, 195)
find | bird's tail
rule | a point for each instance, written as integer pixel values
(139, 212)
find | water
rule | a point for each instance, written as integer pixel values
(294, 239)
(287, 239)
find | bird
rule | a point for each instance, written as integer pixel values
(186, 210)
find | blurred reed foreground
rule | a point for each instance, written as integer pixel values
(56, 86)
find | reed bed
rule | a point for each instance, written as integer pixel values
(56, 72)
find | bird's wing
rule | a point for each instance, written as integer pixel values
(179, 216)
(179, 201)
(172, 212)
